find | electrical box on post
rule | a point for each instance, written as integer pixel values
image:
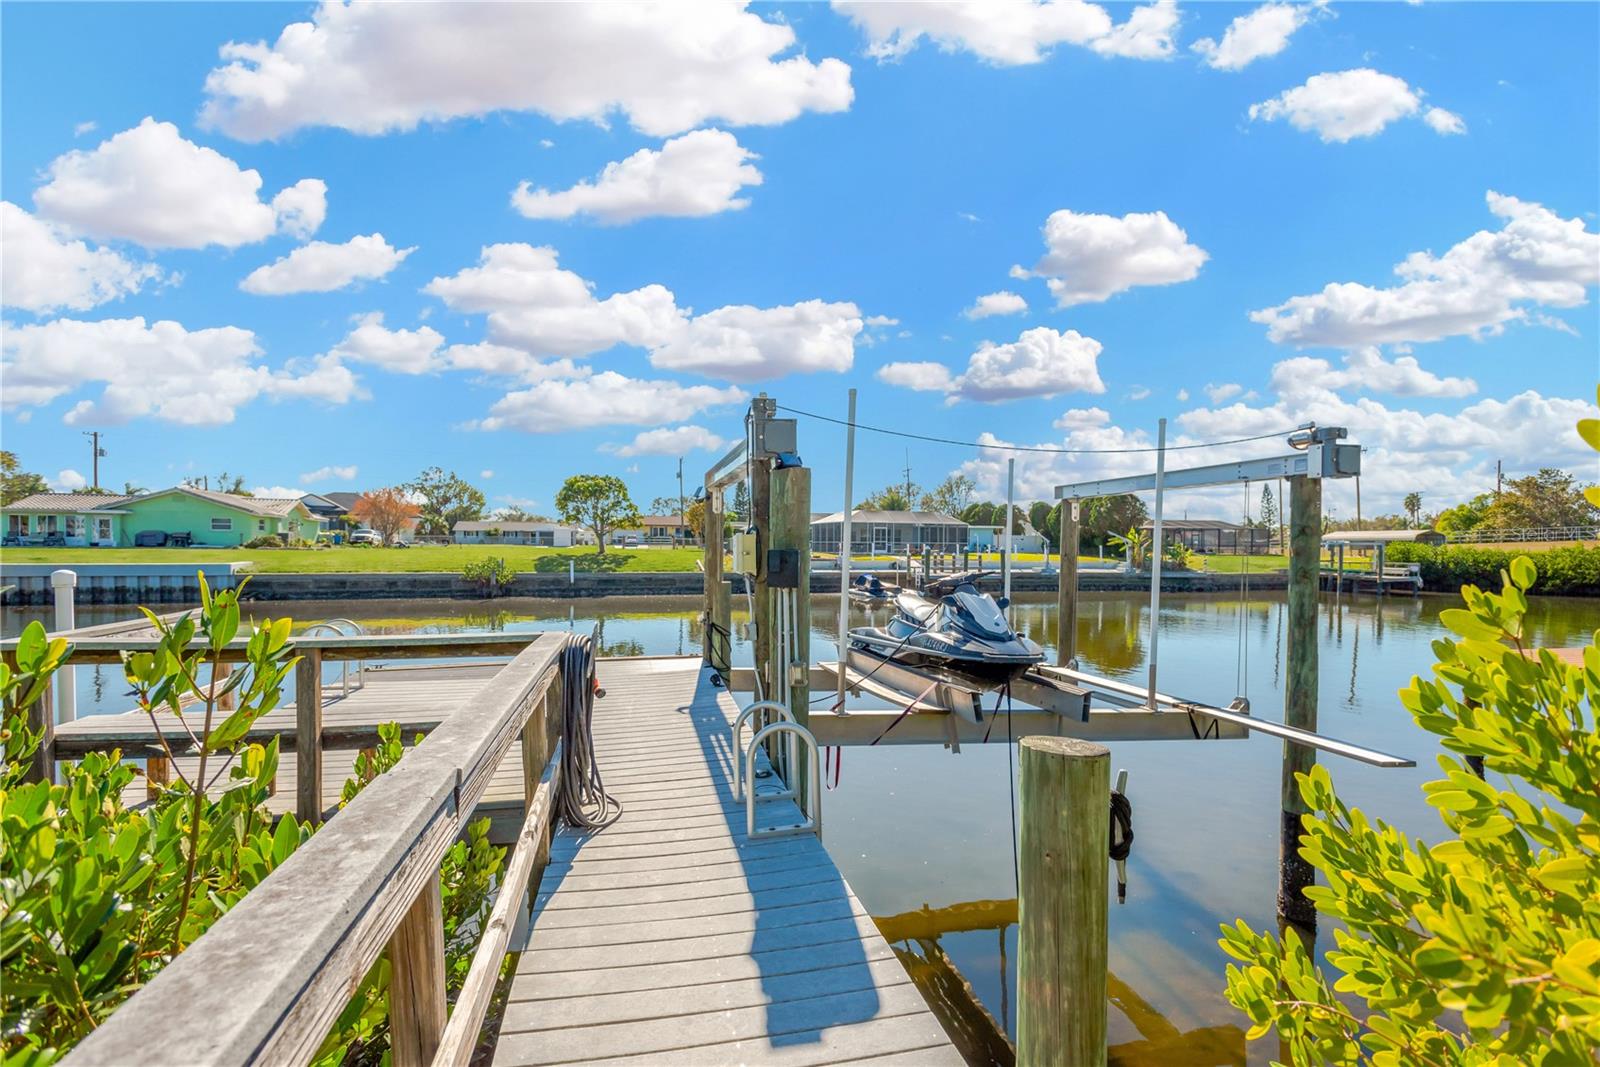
(776, 435)
(783, 568)
(744, 552)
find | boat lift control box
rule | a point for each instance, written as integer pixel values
(776, 435)
(783, 568)
(744, 552)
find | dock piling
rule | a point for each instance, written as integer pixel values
(1062, 901)
(64, 586)
(1067, 586)
(1299, 694)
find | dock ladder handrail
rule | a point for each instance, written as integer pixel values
(811, 821)
(763, 711)
(267, 982)
(337, 627)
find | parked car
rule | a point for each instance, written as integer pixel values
(365, 537)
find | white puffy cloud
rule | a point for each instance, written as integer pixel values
(81, 128)
(400, 351)
(1146, 35)
(373, 68)
(1040, 362)
(1535, 258)
(670, 441)
(160, 370)
(923, 376)
(1009, 34)
(320, 267)
(1082, 419)
(746, 344)
(302, 207)
(1352, 103)
(505, 361)
(534, 305)
(149, 185)
(606, 399)
(1001, 303)
(1261, 33)
(330, 474)
(1364, 369)
(700, 173)
(1218, 394)
(41, 270)
(1444, 122)
(1090, 258)
(275, 492)
(67, 479)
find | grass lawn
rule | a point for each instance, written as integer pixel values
(346, 558)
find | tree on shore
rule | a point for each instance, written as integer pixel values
(447, 499)
(950, 496)
(1413, 505)
(598, 501)
(16, 483)
(386, 512)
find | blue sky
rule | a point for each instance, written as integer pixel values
(1165, 228)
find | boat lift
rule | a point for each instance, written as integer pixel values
(932, 707)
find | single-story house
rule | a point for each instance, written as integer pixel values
(1215, 535)
(890, 532)
(666, 530)
(327, 510)
(992, 539)
(199, 516)
(508, 532)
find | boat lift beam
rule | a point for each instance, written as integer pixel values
(1336, 461)
(727, 470)
(1114, 692)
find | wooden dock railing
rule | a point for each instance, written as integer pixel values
(267, 981)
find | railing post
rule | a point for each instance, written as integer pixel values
(416, 980)
(1061, 901)
(308, 735)
(542, 722)
(42, 720)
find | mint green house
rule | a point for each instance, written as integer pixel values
(198, 516)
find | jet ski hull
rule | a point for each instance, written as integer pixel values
(927, 651)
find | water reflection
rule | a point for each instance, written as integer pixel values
(917, 940)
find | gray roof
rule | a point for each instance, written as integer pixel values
(344, 500)
(1194, 524)
(276, 507)
(920, 518)
(1373, 537)
(67, 502)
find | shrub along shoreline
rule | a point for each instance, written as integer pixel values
(1570, 571)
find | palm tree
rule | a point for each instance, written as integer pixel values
(1134, 544)
(1413, 506)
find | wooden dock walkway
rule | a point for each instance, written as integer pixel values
(671, 938)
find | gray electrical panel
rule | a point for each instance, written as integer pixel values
(776, 435)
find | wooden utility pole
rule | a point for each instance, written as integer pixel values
(1067, 585)
(1300, 693)
(717, 622)
(1062, 901)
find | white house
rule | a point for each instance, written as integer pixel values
(507, 532)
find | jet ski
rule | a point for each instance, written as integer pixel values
(870, 589)
(951, 626)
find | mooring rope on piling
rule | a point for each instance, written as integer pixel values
(581, 799)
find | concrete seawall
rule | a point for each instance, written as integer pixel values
(176, 583)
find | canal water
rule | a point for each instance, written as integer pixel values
(919, 830)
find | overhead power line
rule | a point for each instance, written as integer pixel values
(1034, 448)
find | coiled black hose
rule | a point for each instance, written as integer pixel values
(581, 799)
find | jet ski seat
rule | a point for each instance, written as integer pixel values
(917, 607)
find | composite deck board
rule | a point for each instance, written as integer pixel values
(673, 937)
